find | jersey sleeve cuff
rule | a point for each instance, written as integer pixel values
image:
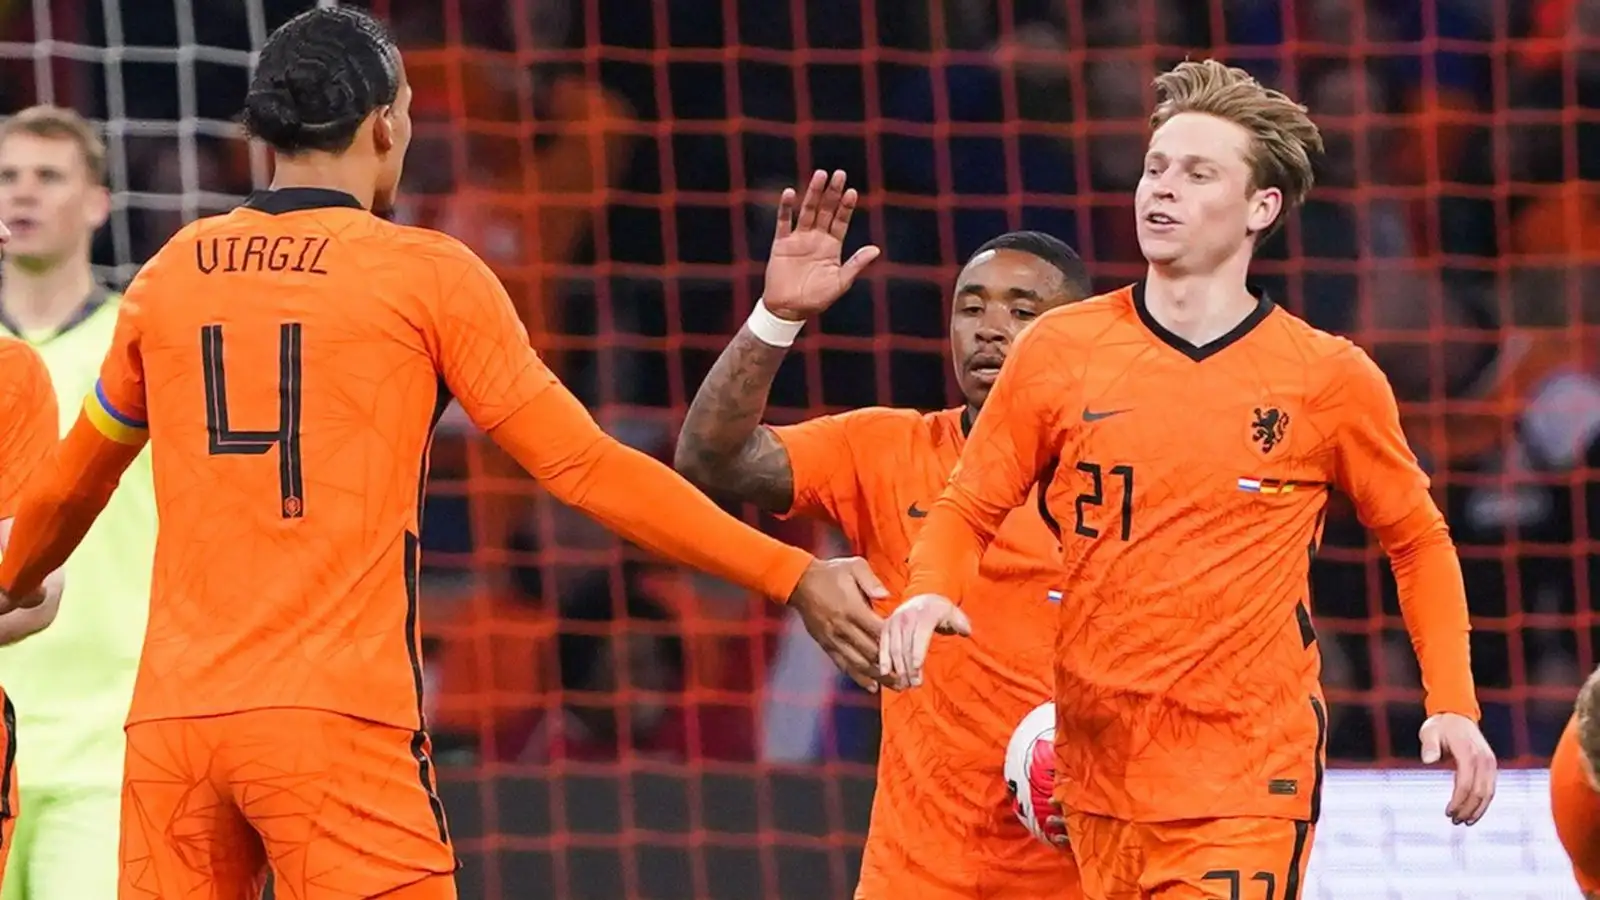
(109, 421)
(1439, 705)
(784, 575)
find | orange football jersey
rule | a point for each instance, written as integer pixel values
(288, 362)
(1575, 805)
(1188, 486)
(941, 817)
(27, 419)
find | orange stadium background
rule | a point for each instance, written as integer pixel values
(608, 727)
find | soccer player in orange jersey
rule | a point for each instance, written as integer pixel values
(1575, 788)
(942, 827)
(1185, 433)
(27, 436)
(288, 362)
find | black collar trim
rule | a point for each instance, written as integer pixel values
(98, 295)
(299, 199)
(1264, 307)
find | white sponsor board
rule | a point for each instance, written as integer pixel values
(1384, 836)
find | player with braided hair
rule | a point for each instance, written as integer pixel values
(288, 363)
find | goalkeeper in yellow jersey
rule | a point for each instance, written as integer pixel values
(71, 684)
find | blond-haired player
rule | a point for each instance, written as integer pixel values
(1184, 433)
(72, 683)
(1575, 788)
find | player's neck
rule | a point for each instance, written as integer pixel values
(328, 173)
(1198, 307)
(38, 300)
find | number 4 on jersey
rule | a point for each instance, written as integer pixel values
(225, 441)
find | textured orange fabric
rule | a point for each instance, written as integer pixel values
(1188, 487)
(942, 825)
(1575, 805)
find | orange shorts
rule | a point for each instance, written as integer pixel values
(1206, 859)
(340, 808)
(10, 800)
(889, 873)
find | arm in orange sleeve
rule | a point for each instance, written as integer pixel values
(27, 439)
(482, 352)
(1377, 469)
(56, 510)
(557, 441)
(28, 412)
(1011, 444)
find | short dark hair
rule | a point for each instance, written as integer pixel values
(319, 76)
(1052, 250)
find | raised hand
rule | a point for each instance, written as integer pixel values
(1456, 737)
(909, 631)
(805, 274)
(834, 599)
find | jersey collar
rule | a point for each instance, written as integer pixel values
(98, 295)
(298, 199)
(1263, 309)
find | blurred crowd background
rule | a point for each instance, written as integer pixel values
(618, 162)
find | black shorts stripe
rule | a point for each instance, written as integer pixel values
(1317, 752)
(8, 714)
(1302, 842)
(419, 738)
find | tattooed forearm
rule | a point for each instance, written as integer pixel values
(723, 447)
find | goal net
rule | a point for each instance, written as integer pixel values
(608, 727)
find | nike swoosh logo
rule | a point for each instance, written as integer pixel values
(916, 512)
(1090, 416)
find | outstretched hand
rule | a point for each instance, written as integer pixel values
(909, 631)
(805, 272)
(834, 599)
(1457, 738)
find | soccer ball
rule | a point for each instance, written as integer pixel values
(1031, 771)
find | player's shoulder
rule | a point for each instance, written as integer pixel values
(19, 356)
(1085, 321)
(879, 423)
(1334, 355)
(22, 368)
(424, 246)
(1090, 312)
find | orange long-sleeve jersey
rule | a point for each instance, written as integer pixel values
(1188, 485)
(942, 824)
(27, 420)
(288, 362)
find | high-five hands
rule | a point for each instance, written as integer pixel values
(834, 600)
(806, 272)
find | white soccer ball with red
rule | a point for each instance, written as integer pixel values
(1031, 771)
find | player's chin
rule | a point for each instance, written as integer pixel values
(1160, 248)
(976, 385)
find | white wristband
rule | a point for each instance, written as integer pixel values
(771, 330)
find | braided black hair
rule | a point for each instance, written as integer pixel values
(1052, 250)
(319, 76)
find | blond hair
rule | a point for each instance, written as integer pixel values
(1282, 136)
(60, 124)
(1588, 713)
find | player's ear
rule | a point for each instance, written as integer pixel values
(1265, 205)
(99, 204)
(383, 137)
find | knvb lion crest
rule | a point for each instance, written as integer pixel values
(1268, 427)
